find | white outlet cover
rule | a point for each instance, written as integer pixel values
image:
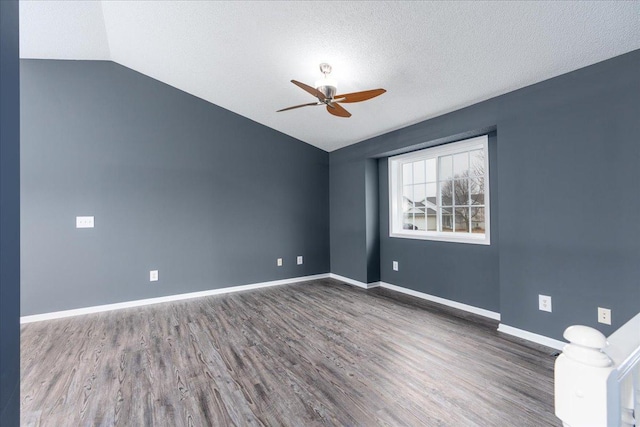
(279, 262)
(395, 265)
(604, 315)
(153, 276)
(84, 222)
(299, 259)
(544, 303)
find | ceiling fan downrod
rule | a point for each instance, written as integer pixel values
(326, 85)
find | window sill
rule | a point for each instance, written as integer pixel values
(473, 239)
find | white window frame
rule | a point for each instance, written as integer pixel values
(395, 193)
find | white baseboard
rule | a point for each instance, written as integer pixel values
(520, 333)
(460, 306)
(510, 330)
(354, 282)
(149, 301)
(530, 336)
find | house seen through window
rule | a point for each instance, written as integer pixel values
(441, 193)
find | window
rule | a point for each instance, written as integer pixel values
(441, 193)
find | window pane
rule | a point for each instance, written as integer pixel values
(407, 221)
(418, 172)
(407, 174)
(477, 220)
(477, 191)
(432, 220)
(462, 220)
(419, 194)
(407, 194)
(407, 208)
(446, 167)
(461, 165)
(419, 220)
(418, 210)
(431, 195)
(431, 170)
(446, 193)
(447, 219)
(461, 187)
(477, 162)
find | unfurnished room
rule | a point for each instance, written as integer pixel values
(301, 213)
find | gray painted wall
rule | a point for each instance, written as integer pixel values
(9, 215)
(565, 162)
(205, 196)
(569, 191)
(193, 190)
(348, 218)
(373, 220)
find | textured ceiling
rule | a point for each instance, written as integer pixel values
(432, 57)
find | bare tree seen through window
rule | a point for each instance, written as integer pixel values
(461, 184)
(462, 196)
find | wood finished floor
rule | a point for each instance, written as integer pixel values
(314, 353)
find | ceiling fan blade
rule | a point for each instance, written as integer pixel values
(312, 90)
(298, 106)
(337, 110)
(359, 96)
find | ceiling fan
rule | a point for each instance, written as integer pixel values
(325, 91)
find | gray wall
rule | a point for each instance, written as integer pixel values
(211, 199)
(9, 215)
(372, 205)
(349, 254)
(565, 184)
(205, 196)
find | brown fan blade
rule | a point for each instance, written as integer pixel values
(359, 96)
(298, 106)
(312, 90)
(337, 110)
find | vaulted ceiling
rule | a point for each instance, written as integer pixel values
(432, 57)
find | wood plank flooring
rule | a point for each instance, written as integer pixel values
(313, 353)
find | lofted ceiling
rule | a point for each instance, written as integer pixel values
(432, 57)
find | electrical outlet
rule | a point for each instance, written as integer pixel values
(544, 303)
(279, 262)
(84, 222)
(604, 315)
(299, 260)
(395, 265)
(153, 276)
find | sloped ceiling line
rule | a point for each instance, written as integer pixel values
(105, 29)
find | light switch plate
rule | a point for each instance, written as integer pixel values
(84, 222)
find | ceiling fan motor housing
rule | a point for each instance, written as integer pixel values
(329, 91)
